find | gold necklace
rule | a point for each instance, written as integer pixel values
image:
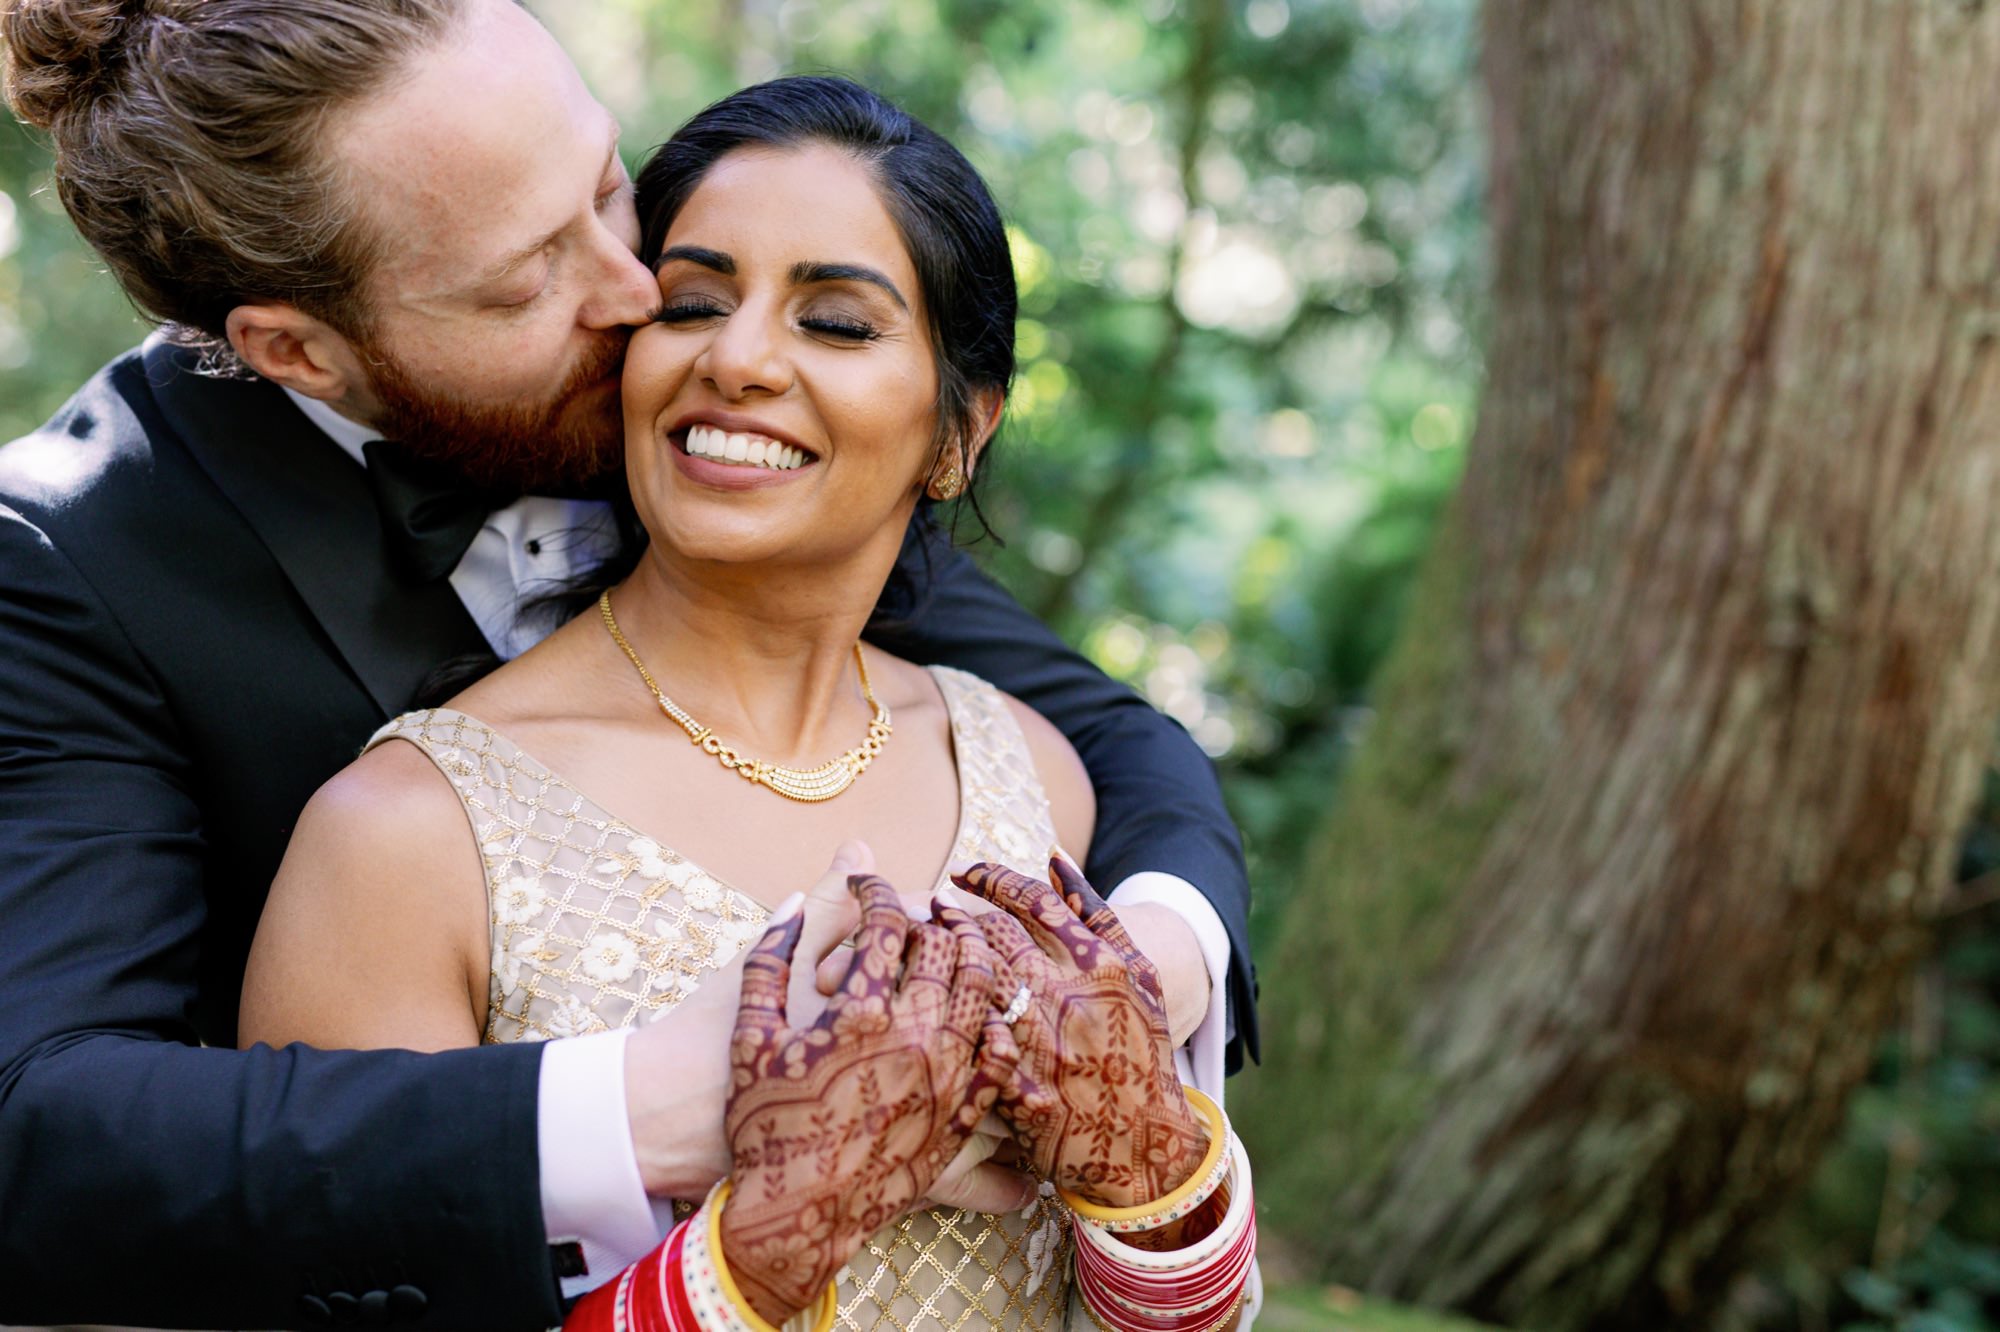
(809, 785)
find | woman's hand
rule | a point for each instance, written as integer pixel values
(1094, 1100)
(840, 1127)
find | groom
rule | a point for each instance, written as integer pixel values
(377, 220)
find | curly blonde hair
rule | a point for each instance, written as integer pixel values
(190, 140)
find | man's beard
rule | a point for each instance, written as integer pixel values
(570, 443)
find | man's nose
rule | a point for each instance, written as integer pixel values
(626, 292)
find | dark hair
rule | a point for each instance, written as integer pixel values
(946, 216)
(189, 140)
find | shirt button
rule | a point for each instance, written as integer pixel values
(534, 546)
(407, 1302)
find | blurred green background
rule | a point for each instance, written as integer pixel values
(1251, 251)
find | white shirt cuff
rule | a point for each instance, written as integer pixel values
(591, 1191)
(1199, 1062)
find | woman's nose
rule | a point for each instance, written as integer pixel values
(745, 357)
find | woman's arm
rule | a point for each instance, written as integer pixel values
(375, 933)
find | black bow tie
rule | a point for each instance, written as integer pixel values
(429, 515)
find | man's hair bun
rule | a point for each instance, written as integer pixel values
(57, 50)
(189, 140)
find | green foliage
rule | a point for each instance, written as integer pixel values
(60, 318)
(1334, 1309)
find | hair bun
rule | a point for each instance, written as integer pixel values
(57, 49)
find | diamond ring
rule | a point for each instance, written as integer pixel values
(1022, 998)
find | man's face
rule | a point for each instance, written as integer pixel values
(505, 285)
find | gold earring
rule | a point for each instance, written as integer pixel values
(951, 483)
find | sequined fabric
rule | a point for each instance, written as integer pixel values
(598, 926)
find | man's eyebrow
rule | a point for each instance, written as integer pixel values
(806, 273)
(521, 256)
(696, 254)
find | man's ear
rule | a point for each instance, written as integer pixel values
(296, 351)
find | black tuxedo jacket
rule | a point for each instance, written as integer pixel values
(198, 626)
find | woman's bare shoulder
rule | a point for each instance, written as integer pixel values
(375, 927)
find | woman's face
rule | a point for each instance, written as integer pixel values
(782, 407)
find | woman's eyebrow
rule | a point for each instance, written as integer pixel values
(804, 274)
(696, 254)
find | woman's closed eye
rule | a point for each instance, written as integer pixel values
(847, 328)
(841, 327)
(687, 310)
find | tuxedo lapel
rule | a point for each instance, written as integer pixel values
(310, 505)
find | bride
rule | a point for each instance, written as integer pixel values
(550, 855)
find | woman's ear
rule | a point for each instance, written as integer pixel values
(987, 404)
(952, 472)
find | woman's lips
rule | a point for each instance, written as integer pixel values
(780, 462)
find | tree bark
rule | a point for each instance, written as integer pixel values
(1672, 761)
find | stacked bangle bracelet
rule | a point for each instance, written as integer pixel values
(685, 1286)
(1196, 1288)
(682, 1286)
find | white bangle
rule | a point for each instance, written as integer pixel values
(1234, 1222)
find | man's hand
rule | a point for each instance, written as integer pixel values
(839, 1127)
(977, 1182)
(1163, 935)
(1094, 1100)
(677, 1069)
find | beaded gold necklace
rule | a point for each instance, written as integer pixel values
(807, 785)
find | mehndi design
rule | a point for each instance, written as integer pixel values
(1094, 1101)
(840, 1127)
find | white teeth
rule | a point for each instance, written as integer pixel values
(705, 441)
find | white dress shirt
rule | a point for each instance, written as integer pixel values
(591, 1190)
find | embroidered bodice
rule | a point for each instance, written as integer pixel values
(597, 925)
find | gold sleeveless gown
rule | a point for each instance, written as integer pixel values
(597, 926)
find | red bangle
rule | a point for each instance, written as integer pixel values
(645, 1297)
(1142, 1303)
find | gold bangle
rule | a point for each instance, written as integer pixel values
(822, 1319)
(1196, 1190)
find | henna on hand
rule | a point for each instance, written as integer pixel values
(1094, 1102)
(838, 1128)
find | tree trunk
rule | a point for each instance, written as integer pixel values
(1694, 698)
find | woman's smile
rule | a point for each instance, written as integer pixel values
(730, 453)
(742, 448)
